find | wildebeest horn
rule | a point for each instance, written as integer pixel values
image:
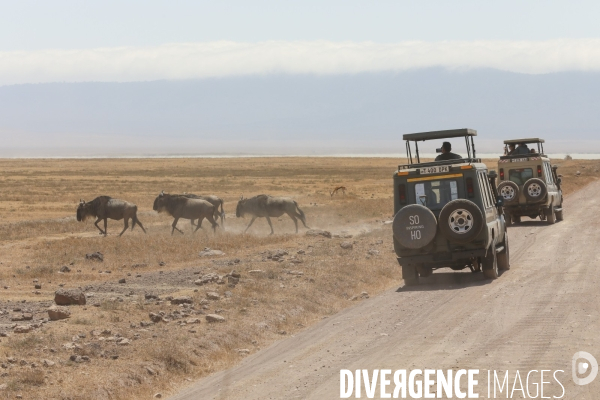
(242, 197)
(162, 193)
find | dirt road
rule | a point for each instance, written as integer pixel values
(534, 317)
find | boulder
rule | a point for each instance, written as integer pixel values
(22, 329)
(66, 297)
(215, 318)
(181, 300)
(213, 296)
(65, 269)
(208, 278)
(97, 256)
(318, 232)
(208, 252)
(346, 245)
(57, 312)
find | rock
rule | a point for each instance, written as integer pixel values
(213, 296)
(318, 232)
(233, 280)
(577, 173)
(22, 317)
(48, 363)
(215, 318)
(162, 263)
(181, 300)
(297, 273)
(388, 222)
(150, 370)
(208, 252)
(256, 272)
(158, 396)
(139, 265)
(37, 286)
(193, 321)
(208, 278)
(373, 252)
(124, 342)
(22, 329)
(122, 280)
(243, 351)
(66, 297)
(155, 317)
(301, 251)
(228, 294)
(97, 256)
(346, 245)
(65, 269)
(3, 386)
(75, 358)
(56, 313)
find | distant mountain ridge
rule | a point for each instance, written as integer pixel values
(296, 114)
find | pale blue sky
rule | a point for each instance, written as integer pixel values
(36, 25)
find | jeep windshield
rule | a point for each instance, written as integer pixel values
(443, 144)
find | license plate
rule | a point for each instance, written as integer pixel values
(434, 170)
(518, 159)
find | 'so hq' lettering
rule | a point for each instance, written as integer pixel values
(413, 219)
(415, 235)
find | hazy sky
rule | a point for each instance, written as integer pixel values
(74, 41)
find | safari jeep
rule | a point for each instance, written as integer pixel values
(528, 183)
(447, 214)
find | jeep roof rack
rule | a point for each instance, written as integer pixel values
(526, 141)
(433, 135)
(538, 141)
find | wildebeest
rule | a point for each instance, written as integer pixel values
(215, 201)
(268, 206)
(104, 207)
(179, 206)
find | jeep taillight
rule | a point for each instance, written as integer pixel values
(539, 171)
(402, 193)
(501, 174)
(470, 192)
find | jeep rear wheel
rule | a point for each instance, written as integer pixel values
(509, 191)
(504, 255)
(490, 263)
(414, 226)
(551, 215)
(410, 275)
(535, 190)
(461, 220)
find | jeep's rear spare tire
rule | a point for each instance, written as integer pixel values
(414, 226)
(509, 191)
(461, 220)
(535, 190)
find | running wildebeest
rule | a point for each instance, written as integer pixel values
(104, 207)
(179, 206)
(215, 201)
(268, 206)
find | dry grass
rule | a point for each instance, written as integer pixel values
(39, 234)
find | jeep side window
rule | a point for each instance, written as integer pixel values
(548, 173)
(485, 192)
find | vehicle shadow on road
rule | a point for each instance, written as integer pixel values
(448, 281)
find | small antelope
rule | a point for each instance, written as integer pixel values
(334, 191)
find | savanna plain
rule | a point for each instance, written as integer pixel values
(132, 339)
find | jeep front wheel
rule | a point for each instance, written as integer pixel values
(461, 220)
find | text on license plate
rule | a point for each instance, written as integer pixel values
(433, 170)
(518, 159)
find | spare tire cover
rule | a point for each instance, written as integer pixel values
(535, 190)
(461, 220)
(509, 191)
(414, 226)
